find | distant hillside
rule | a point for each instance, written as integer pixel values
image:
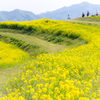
(75, 11)
(17, 15)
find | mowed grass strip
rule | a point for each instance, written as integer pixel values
(44, 45)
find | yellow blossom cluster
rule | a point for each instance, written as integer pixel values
(10, 55)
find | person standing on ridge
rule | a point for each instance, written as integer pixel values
(69, 16)
(96, 12)
(83, 14)
(88, 13)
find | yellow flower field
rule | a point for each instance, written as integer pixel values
(69, 75)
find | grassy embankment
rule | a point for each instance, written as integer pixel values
(41, 42)
(91, 21)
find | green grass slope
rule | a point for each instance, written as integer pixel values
(91, 21)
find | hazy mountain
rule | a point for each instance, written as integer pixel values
(74, 11)
(17, 15)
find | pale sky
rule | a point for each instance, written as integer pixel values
(39, 6)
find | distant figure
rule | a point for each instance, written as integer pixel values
(88, 13)
(83, 14)
(69, 16)
(96, 13)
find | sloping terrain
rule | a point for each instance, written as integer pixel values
(34, 45)
(72, 74)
